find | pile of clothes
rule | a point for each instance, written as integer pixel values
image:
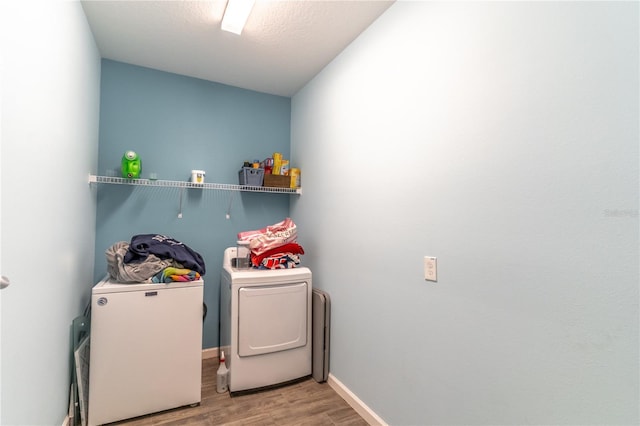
(153, 258)
(274, 247)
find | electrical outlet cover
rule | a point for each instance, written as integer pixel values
(430, 268)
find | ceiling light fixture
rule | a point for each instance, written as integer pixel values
(235, 15)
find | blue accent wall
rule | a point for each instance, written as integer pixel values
(177, 124)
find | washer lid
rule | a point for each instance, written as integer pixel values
(108, 285)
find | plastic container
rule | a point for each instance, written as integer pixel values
(284, 167)
(250, 176)
(268, 165)
(294, 173)
(277, 163)
(222, 375)
(243, 255)
(197, 176)
(131, 165)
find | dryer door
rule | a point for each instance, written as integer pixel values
(272, 318)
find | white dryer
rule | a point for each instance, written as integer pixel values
(265, 324)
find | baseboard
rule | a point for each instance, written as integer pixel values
(361, 408)
(210, 353)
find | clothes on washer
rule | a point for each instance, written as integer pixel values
(274, 246)
(149, 255)
(171, 274)
(280, 261)
(289, 248)
(270, 237)
(133, 272)
(163, 247)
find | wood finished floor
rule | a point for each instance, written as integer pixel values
(303, 403)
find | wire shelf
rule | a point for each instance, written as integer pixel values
(182, 184)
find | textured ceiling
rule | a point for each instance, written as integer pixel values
(284, 43)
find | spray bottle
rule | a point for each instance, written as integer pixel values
(221, 375)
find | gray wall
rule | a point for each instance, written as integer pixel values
(502, 138)
(50, 101)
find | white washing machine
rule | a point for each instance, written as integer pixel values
(265, 324)
(146, 348)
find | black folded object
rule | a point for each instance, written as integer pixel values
(164, 247)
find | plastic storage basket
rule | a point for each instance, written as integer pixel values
(251, 177)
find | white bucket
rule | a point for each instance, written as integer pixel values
(197, 176)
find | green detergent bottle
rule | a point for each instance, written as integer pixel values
(131, 165)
